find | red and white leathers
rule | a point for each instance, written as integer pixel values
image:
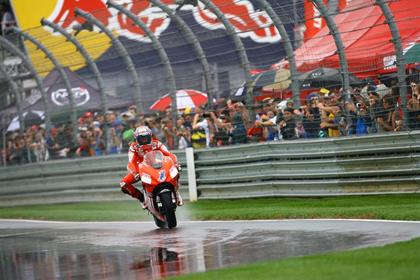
(135, 156)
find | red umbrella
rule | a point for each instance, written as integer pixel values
(184, 98)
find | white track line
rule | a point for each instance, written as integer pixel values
(209, 221)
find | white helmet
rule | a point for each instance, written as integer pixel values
(143, 135)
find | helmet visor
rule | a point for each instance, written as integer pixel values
(144, 139)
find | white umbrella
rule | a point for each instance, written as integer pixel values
(14, 125)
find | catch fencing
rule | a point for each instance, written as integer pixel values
(375, 164)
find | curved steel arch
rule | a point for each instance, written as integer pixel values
(61, 72)
(192, 40)
(344, 69)
(396, 39)
(88, 58)
(14, 88)
(122, 51)
(161, 51)
(239, 48)
(90, 62)
(287, 44)
(13, 49)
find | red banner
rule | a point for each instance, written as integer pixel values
(313, 20)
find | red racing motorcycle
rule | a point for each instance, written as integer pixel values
(160, 175)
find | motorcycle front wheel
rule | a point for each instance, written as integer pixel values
(159, 223)
(168, 208)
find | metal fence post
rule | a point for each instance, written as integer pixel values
(185, 29)
(192, 182)
(288, 48)
(122, 51)
(9, 46)
(396, 40)
(170, 76)
(61, 72)
(240, 50)
(335, 33)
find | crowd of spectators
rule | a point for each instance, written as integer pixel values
(324, 113)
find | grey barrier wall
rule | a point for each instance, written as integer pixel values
(371, 164)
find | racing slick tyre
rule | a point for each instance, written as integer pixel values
(168, 208)
(159, 223)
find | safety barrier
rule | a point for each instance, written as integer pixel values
(373, 164)
(69, 180)
(336, 166)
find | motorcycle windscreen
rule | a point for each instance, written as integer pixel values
(154, 159)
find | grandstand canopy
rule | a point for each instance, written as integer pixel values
(366, 37)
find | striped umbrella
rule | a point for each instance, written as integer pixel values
(190, 98)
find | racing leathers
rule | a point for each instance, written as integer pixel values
(136, 153)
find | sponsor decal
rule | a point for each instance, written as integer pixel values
(162, 176)
(248, 22)
(60, 97)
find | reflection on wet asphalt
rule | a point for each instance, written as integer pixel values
(43, 250)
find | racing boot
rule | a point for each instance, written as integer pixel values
(142, 201)
(133, 192)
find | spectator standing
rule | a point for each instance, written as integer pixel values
(375, 111)
(114, 133)
(84, 148)
(39, 147)
(268, 123)
(329, 117)
(386, 122)
(413, 107)
(52, 144)
(311, 118)
(19, 152)
(183, 134)
(168, 133)
(222, 128)
(239, 121)
(200, 136)
(362, 119)
(300, 130)
(98, 142)
(287, 125)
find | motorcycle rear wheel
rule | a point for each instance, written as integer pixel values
(168, 208)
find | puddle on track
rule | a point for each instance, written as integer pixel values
(138, 251)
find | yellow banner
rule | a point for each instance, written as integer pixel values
(29, 14)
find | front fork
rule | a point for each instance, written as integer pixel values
(155, 207)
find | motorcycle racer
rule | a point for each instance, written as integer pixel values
(144, 142)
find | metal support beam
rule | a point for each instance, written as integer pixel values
(14, 88)
(193, 41)
(396, 40)
(62, 74)
(89, 61)
(239, 48)
(170, 77)
(122, 51)
(88, 58)
(287, 45)
(16, 51)
(340, 46)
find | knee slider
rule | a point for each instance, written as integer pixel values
(123, 187)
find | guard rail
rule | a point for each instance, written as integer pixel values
(388, 163)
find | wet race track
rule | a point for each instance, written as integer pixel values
(137, 250)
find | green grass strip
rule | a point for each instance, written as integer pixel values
(391, 207)
(397, 261)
